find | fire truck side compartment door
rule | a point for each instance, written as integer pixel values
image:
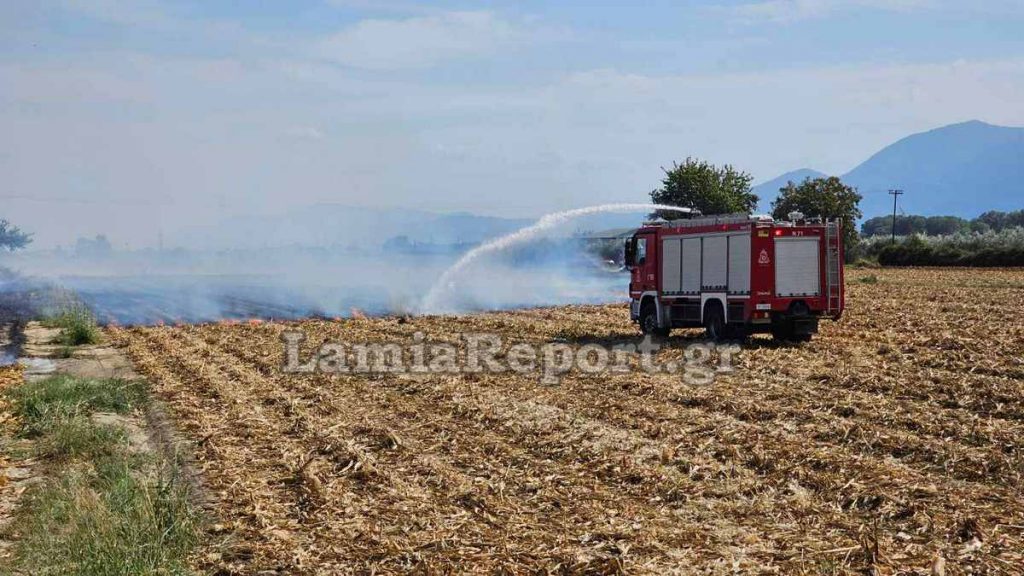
(691, 266)
(796, 266)
(670, 265)
(739, 263)
(716, 253)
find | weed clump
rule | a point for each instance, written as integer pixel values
(77, 326)
(44, 404)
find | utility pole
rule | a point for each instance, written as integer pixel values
(895, 194)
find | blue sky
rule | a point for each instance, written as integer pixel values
(127, 116)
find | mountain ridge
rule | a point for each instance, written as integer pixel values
(960, 169)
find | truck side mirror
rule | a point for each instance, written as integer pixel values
(630, 256)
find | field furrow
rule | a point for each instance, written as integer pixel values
(891, 439)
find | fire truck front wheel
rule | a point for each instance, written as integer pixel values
(649, 321)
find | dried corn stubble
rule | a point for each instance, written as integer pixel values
(10, 375)
(890, 442)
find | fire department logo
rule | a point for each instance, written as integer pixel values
(763, 258)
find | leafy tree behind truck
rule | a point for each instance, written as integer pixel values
(706, 187)
(824, 198)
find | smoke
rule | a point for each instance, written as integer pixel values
(380, 275)
(435, 299)
(190, 286)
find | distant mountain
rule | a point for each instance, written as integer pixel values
(959, 170)
(767, 191)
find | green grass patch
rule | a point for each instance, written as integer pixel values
(77, 326)
(869, 279)
(101, 509)
(108, 519)
(45, 403)
(81, 438)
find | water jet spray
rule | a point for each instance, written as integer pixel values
(432, 303)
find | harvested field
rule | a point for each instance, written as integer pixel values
(890, 443)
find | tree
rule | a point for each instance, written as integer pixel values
(994, 219)
(824, 198)
(908, 225)
(1015, 218)
(877, 226)
(944, 225)
(998, 221)
(706, 187)
(980, 227)
(11, 237)
(98, 247)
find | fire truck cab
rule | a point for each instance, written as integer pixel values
(736, 275)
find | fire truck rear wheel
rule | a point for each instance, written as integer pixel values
(737, 333)
(649, 321)
(714, 323)
(785, 333)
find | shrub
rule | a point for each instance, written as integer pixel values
(982, 249)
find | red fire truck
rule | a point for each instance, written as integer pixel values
(735, 275)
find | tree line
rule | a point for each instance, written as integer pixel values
(906, 225)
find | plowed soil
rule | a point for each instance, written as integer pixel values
(891, 443)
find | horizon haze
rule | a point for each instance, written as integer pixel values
(140, 119)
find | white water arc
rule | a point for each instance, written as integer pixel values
(433, 300)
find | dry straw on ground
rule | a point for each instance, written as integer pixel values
(889, 444)
(10, 376)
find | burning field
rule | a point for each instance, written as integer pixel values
(891, 443)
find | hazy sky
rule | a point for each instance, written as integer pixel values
(131, 117)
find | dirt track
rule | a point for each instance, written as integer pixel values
(891, 440)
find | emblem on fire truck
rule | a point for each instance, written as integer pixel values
(763, 258)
